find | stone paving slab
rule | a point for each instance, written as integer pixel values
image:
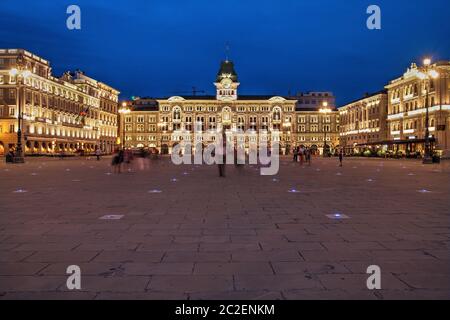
(242, 237)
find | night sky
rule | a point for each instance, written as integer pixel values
(162, 48)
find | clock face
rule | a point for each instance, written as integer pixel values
(226, 83)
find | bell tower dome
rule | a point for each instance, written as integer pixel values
(226, 82)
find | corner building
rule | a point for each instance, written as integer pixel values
(68, 114)
(407, 109)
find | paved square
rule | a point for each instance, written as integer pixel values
(185, 233)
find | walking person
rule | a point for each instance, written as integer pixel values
(127, 158)
(341, 157)
(142, 159)
(98, 153)
(308, 156)
(222, 156)
(301, 154)
(117, 161)
(295, 154)
(241, 156)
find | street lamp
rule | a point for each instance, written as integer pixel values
(123, 111)
(161, 125)
(325, 110)
(426, 76)
(20, 73)
(287, 132)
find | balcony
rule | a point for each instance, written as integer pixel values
(423, 110)
(396, 116)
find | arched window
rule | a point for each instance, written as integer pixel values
(226, 114)
(276, 114)
(176, 114)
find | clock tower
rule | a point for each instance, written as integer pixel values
(226, 82)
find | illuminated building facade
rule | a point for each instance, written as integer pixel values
(407, 108)
(163, 123)
(394, 120)
(363, 123)
(67, 114)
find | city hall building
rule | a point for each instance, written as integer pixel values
(300, 120)
(69, 114)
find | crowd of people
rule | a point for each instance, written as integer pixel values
(302, 155)
(124, 159)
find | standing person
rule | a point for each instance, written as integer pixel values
(10, 156)
(295, 154)
(222, 156)
(142, 159)
(147, 155)
(308, 156)
(341, 157)
(98, 153)
(117, 161)
(127, 157)
(301, 154)
(240, 156)
(121, 158)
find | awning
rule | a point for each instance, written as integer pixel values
(58, 140)
(394, 142)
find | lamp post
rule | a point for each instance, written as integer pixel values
(427, 76)
(325, 110)
(20, 73)
(286, 133)
(123, 111)
(161, 125)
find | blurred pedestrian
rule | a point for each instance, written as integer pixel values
(143, 161)
(221, 156)
(98, 153)
(10, 156)
(127, 159)
(301, 155)
(117, 161)
(308, 156)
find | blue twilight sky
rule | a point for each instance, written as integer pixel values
(164, 47)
